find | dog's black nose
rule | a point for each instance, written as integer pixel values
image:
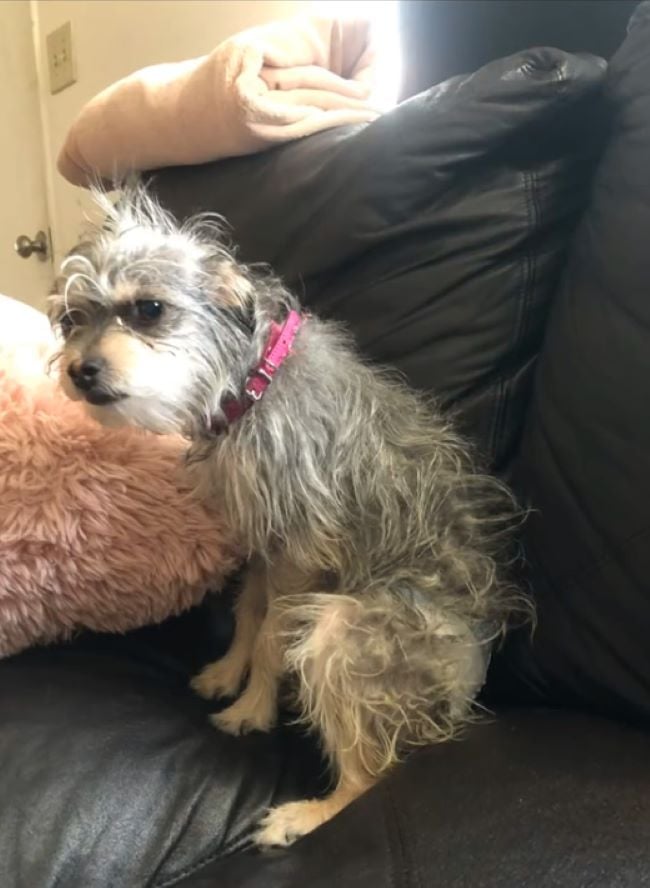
(86, 374)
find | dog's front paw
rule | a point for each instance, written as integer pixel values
(223, 678)
(283, 825)
(243, 717)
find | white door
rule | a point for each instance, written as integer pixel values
(23, 209)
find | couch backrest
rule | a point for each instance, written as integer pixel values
(437, 233)
(585, 459)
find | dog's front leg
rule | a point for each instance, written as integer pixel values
(224, 677)
(257, 708)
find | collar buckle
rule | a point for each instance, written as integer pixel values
(278, 348)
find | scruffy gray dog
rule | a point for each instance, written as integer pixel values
(373, 588)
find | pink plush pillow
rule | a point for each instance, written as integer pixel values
(97, 530)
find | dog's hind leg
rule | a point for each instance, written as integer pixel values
(320, 659)
(283, 825)
(377, 676)
(224, 677)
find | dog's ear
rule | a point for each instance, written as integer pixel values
(233, 291)
(245, 315)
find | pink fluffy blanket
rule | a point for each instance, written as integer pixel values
(97, 529)
(263, 86)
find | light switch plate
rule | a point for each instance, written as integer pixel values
(60, 60)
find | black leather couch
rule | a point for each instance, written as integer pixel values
(491, 238)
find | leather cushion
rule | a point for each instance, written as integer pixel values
(112, 777)
(111, 773)
(537, 799)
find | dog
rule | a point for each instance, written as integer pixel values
(376, 551)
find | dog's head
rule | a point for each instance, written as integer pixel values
(158, 321)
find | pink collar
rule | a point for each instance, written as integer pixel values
(278, 349)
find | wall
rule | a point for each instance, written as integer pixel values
(111, 38)
(22, 210)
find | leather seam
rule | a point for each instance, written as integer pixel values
(503, 397)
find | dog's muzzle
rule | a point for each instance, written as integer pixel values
(87, 378)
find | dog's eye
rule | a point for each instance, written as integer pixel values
(147, 311)
(69, 321)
